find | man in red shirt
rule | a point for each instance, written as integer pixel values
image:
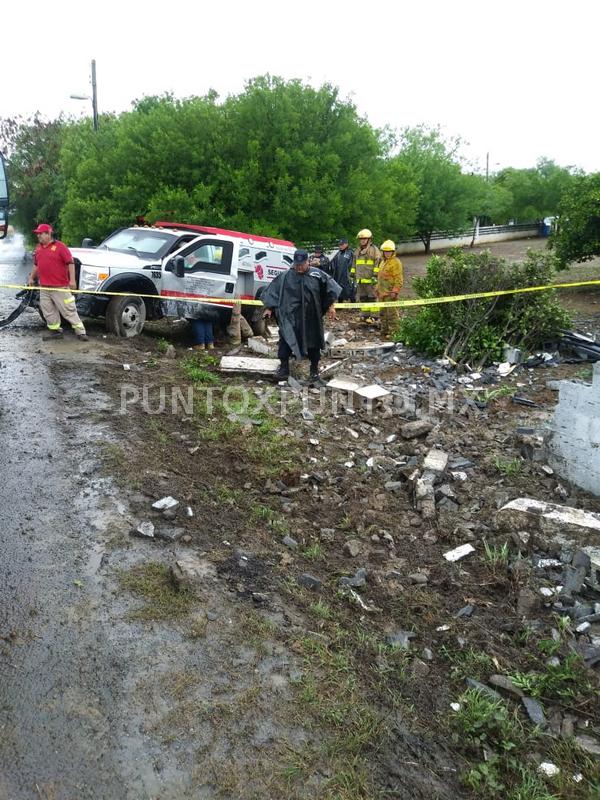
(54, 268)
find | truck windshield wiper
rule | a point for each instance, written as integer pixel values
(129, 247)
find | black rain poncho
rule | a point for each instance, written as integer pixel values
(299, 300)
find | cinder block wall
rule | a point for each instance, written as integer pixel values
(574, 441)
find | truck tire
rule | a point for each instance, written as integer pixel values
(125, 316)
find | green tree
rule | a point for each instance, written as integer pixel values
(445, 194)
(536, 191)
(32, 145)
(578, 236)
(156, 160)
(301, 161)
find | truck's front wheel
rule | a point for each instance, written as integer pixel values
(125, 316)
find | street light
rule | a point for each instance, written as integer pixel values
(93, 98)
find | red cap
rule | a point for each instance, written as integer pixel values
(43, 227)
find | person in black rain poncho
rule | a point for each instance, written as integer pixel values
(300, 298)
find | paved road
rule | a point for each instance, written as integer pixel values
(62, 676)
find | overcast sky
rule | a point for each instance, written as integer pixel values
(516, 79)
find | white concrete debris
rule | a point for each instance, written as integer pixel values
(165, 502)
(146, 529)
(574, 441)
(343, 384)
(435, 461)
(373, 392)
(459, 552)
(563, 522)
(264, 366)
(191, 571)
(548, 769)
(258, 346)
(362, 348)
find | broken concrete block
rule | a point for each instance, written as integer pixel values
(258, 345)
(548, 769)
(357, 581)
(535, 711)
(343, 384)
(352, 547)
(424, 494)
(505, 683)
(165, 503)
(588, 744)
(420, 427)
(400, 639)
(190, 572)
(565, 524)
(459, 552)
(594, 569)
(261, 366)
(372, 392)
(144, 530)
(573, 579)
(289, 542)
(486, 690)
(362, 349)
(436, 461)
(310, 582)
(574, 442)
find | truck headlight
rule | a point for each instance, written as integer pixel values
(90, 279)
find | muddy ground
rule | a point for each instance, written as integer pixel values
(256, 681)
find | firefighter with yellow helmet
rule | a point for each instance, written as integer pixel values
(389, 282)
(365, 268)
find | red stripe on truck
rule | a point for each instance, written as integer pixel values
(182, 226)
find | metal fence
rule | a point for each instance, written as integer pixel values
(532, 228)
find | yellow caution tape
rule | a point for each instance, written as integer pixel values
(368, 306)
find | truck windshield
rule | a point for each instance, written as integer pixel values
(141, 241)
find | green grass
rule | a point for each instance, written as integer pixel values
(196, 372)
(153, 582)
(495, 556)
(508, 467)
(313, 552)
(321, 609)
(469, 663)
(565, 681)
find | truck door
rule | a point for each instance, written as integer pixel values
(210, 267)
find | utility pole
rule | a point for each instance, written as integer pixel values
(95, 96)
(487, 162)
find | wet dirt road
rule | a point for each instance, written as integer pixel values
(62, 676)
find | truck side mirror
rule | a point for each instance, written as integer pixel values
(87, 242)
(179, 266)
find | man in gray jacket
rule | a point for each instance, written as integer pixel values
(300, 298)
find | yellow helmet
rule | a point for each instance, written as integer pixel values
(364, 234)
(388, 245)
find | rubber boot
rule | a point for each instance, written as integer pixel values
(283, 373)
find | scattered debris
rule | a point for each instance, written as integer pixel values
(548, 769)
(191, 572)
(549, 518)
(400, 639)
(459, 552)
(310, 582)
(165, 503)
(258, 346)
(261, 366)
(145, 530)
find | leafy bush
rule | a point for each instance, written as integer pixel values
(477, 330)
